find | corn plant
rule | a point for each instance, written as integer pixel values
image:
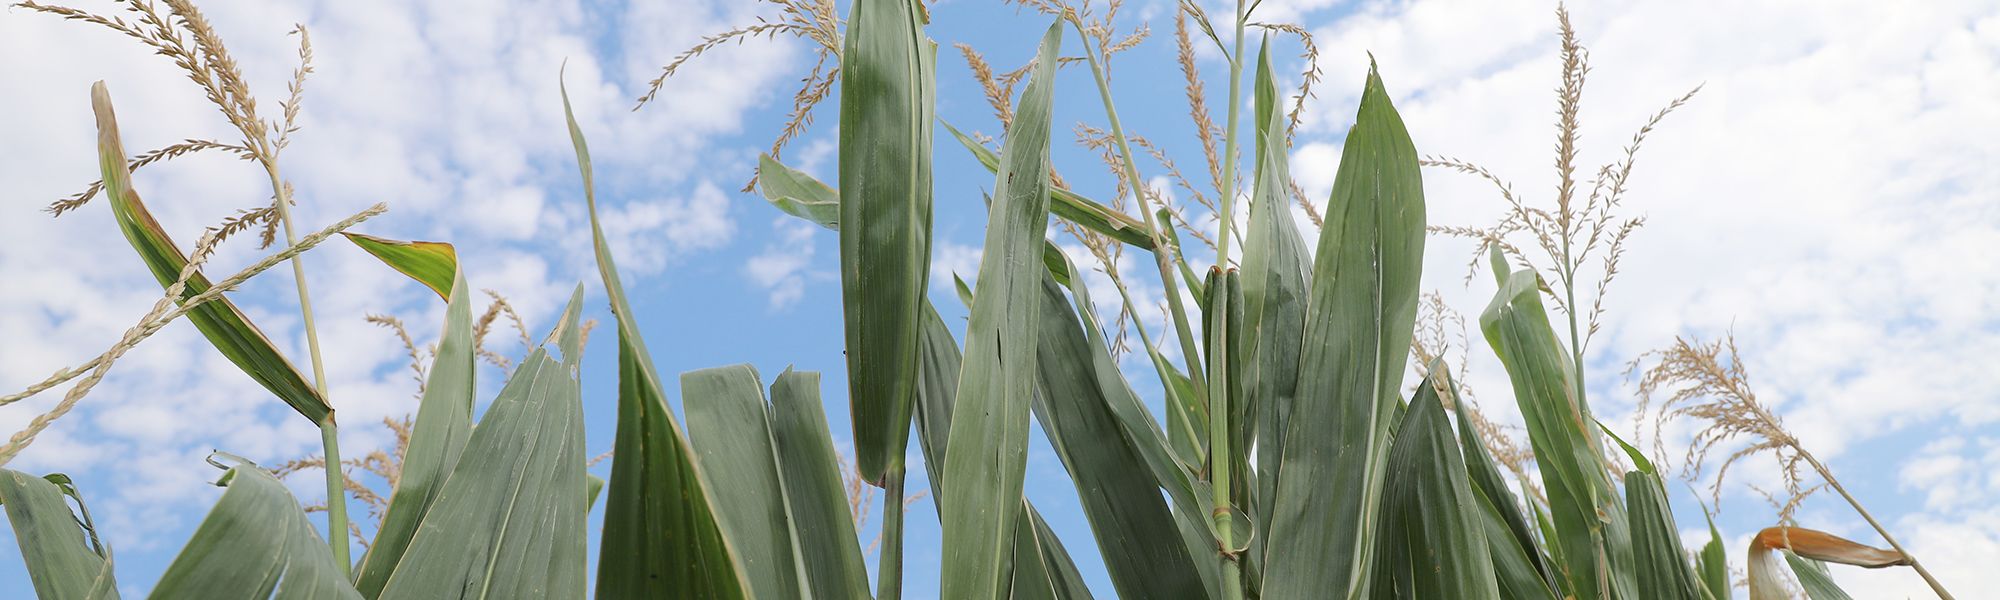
(1292, 461)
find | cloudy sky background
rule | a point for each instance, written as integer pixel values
(1829, 196)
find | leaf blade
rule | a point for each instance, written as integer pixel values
(828, 548)
(434, 264)
(510, 518)
(987, 452)
(225, 326)
(437, 439)
(59, 559)
(885, 186)
(640, 559)
(255, 543)
(1365, 279)
(730, 430)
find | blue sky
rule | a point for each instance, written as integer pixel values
(1826, 197)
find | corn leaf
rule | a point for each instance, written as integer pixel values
(509, 521)
(1661, 565)
(1276, 278)
(219, 320)
(1043, 570)
(939, 362)
(1592, 540)
(886, 109)
(1068, 205)
(434, 264)
(989, 428)
(1189, 496)
(1431, 523)
(255, 543)
(729, 427)
(1713, 564)
(1814, 577)
(797, 193)
(1518, 564)
(828, 550)
(443, 425)
(62, 563)
(661, 538)
(1134, 529)
(937, 389)
(1361, 309)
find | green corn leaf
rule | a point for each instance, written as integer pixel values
(1188, 495)
(444, 423)
(509, 521)
(219, 320)
(1660, 564)
(939, 365)
(797, 193)
(827, 547)
(1134, 529)
(1043, 570)
(433, 264)
(1814, 577)
(593, 485)
(987, 455)
(729, 427)
(886, 109)
(1361, 310)
(661, 538)
(1187, 422)
(62, 562)
(1068, 205)
(1591, 536)
(1431, 518)
(1632, 452)
(255, 543)
(1510, 539)
(1713, 564)
(1276, 277)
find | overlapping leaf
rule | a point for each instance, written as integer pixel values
(1360, 312)
(661, 538)
(1591, 537)
(437, 439)
(1068, 205)
(989, 428)
(1432, 538)
(509, 521)
(1661, 566)
(1134, 529)
(730, 429)
(62, 563)
(887, 103)
(827, 548)
(219, 320)
(255, 543)
(1275, 283)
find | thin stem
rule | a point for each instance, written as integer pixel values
(1160, 247)
(1229, 143)
(889, 571)
(329, 432)
(1884, 531)
(1220, 454)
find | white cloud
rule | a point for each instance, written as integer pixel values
(781, 268)
(950, 259)
(447, 111)
(1823, 197)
